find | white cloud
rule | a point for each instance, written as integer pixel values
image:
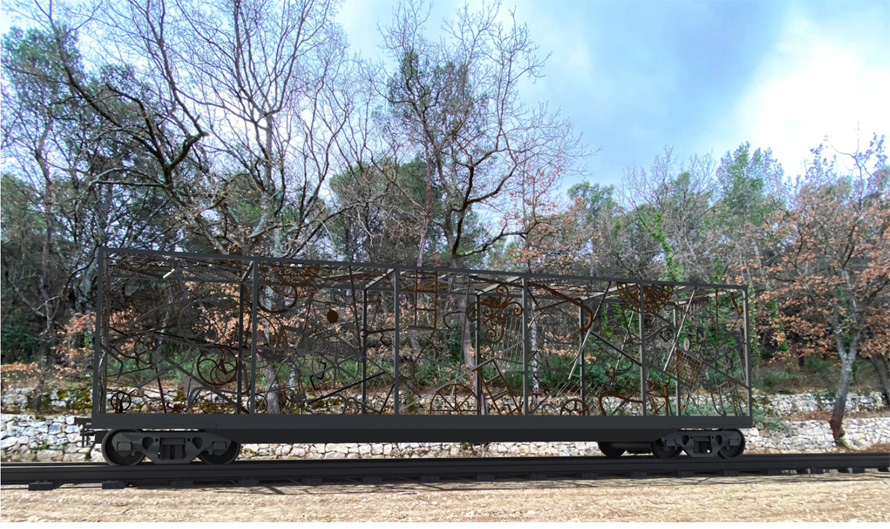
(813, 87)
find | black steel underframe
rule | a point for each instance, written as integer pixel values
(416, 429)
(44, 476)
(724, 377)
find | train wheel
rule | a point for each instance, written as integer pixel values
(225, 458)
(116, 456)
(732, 452)
(661, 451)
(609, 450)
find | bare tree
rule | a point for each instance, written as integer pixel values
(241, 109)
(274, 82)
(455, 104)
(669, 203)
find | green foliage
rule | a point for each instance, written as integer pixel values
(593, 198)
(775, 379)
(651, 220)
(20, 257)
(392, 206)
(742, 180)
(30, 62)
(765, 419)
(453, 345)
(18, 342)
(826, 395)
(817, 364)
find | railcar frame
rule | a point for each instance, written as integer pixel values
(196, 353)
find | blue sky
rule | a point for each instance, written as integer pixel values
(702, 76)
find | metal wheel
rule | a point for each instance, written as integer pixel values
(732, 452)
(225, 458)
(661, 451)
(609, 450)
(112, 455)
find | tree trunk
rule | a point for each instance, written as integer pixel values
(273, 403)
(467, 346)
(273, 406)
(468, 349)
(843, 387)
(880, 363)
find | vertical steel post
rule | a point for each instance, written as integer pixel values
(747, 354)
(99, 338)
(677, 339)
(239, 364)
(644, 372)
(581, 349)
(254, 303)
(364, 338)
(525, 345)
(478, 357)
(397, 277)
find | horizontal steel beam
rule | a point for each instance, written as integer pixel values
(344, 265)
(265, 428)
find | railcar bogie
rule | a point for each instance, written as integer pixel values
(130, 447)
(611, 450)
(660, 450)
(726, 444)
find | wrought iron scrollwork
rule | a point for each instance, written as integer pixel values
(574, 407)
(216, 368)
(120, 401)
(492, 313)
(655, 297)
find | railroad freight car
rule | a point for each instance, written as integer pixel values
(198, 354)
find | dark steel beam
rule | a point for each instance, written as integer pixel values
(340, 264)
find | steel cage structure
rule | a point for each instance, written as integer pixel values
(282, 350)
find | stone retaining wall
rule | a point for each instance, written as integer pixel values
(25, 438)
(62, 402)
(784, 405)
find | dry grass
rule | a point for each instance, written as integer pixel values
(820, 415)
(18, 374)
(826, 498)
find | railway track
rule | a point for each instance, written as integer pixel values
(46, 476)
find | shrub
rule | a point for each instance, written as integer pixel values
(772, 380)
(817, 364)
(766, 419)
(18, 343)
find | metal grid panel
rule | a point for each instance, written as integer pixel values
(188, 334)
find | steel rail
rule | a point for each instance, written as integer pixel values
(46, 476)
